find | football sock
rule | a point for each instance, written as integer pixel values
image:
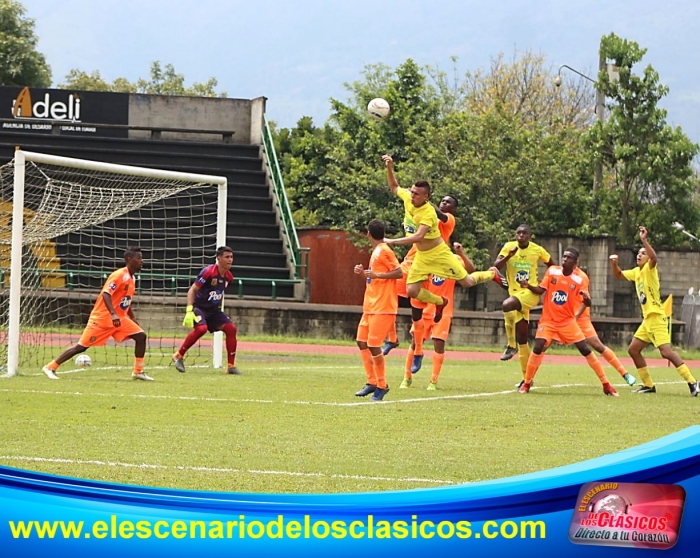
(426, 296)
(418, 335)
(524, 356)
(409, 362)
(645, 376)
(509, 319)
(138, 365)
(533, 364)
(231, 342)
(192, 338)
(379, 370)
(369, 367)
(684, 371)
(611, 357)
(597, 367)
(482, 276)
(438, 359)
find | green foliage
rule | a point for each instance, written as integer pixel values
(20, 62)
(504, 166)
(162, 81)
(649, 179)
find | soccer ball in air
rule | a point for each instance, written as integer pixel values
(378, 109)
(83, 361)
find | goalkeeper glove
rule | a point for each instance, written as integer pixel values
(190, 317)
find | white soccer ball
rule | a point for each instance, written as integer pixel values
(83, 361)
(378, 109)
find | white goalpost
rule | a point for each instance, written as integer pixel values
(64, 226)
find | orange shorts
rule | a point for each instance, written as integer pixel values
(96, 335)
(374, 328)
(438, 330)
(566, 335)
(401, 282)
(587, 327)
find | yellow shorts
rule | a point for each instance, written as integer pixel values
(438, 330)
(654, 329)
(96, 335)
(566, 335)
(528, 300)
(438, 261)
(374, 328)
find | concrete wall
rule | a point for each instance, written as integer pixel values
(243, 117)
(340, 322)
(611, 297)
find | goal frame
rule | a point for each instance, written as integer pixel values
(20, 159)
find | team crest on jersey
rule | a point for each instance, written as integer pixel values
(437, 281)
(572, 287)
(554, 281)
(93, 339)
(214, 281)
(560, 297)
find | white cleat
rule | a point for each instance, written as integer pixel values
(50, 374)
(141, 376)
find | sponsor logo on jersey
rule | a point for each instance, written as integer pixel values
(112, 286)
(560, 297)
(215, 297)
(437, 281)
(125, 302)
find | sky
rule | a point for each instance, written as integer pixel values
(300, 53)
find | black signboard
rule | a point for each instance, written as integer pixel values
(46, 111)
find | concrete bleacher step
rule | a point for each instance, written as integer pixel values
(252, 227)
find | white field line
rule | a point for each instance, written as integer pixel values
(283, 402)
(127, 368)
(212, 469)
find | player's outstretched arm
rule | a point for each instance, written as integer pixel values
(643, 234)
(617, 272)
(418, 236)
(390, 177)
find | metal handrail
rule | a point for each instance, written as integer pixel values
(298, 254)
(172, 278)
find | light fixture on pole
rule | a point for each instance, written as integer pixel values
(681, 228)
(599, 106)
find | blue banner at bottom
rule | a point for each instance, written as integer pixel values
(647, 497)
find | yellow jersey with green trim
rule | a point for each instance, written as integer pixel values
(523, 265)
(414, 217)
(648, 287)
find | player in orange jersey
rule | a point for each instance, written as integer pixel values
(563, 288)
(583, 319)
(112, 317)
(379, 310)
(438, 331)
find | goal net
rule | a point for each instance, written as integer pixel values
(64, 226)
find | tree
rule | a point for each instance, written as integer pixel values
(492, 159)
(21, 64)
(163, 81)
(649, 179)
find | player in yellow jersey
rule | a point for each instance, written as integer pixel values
(433, 255)
(654, 328)
(446, 223)
(520, 258)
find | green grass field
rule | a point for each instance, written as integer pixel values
(291, 423)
